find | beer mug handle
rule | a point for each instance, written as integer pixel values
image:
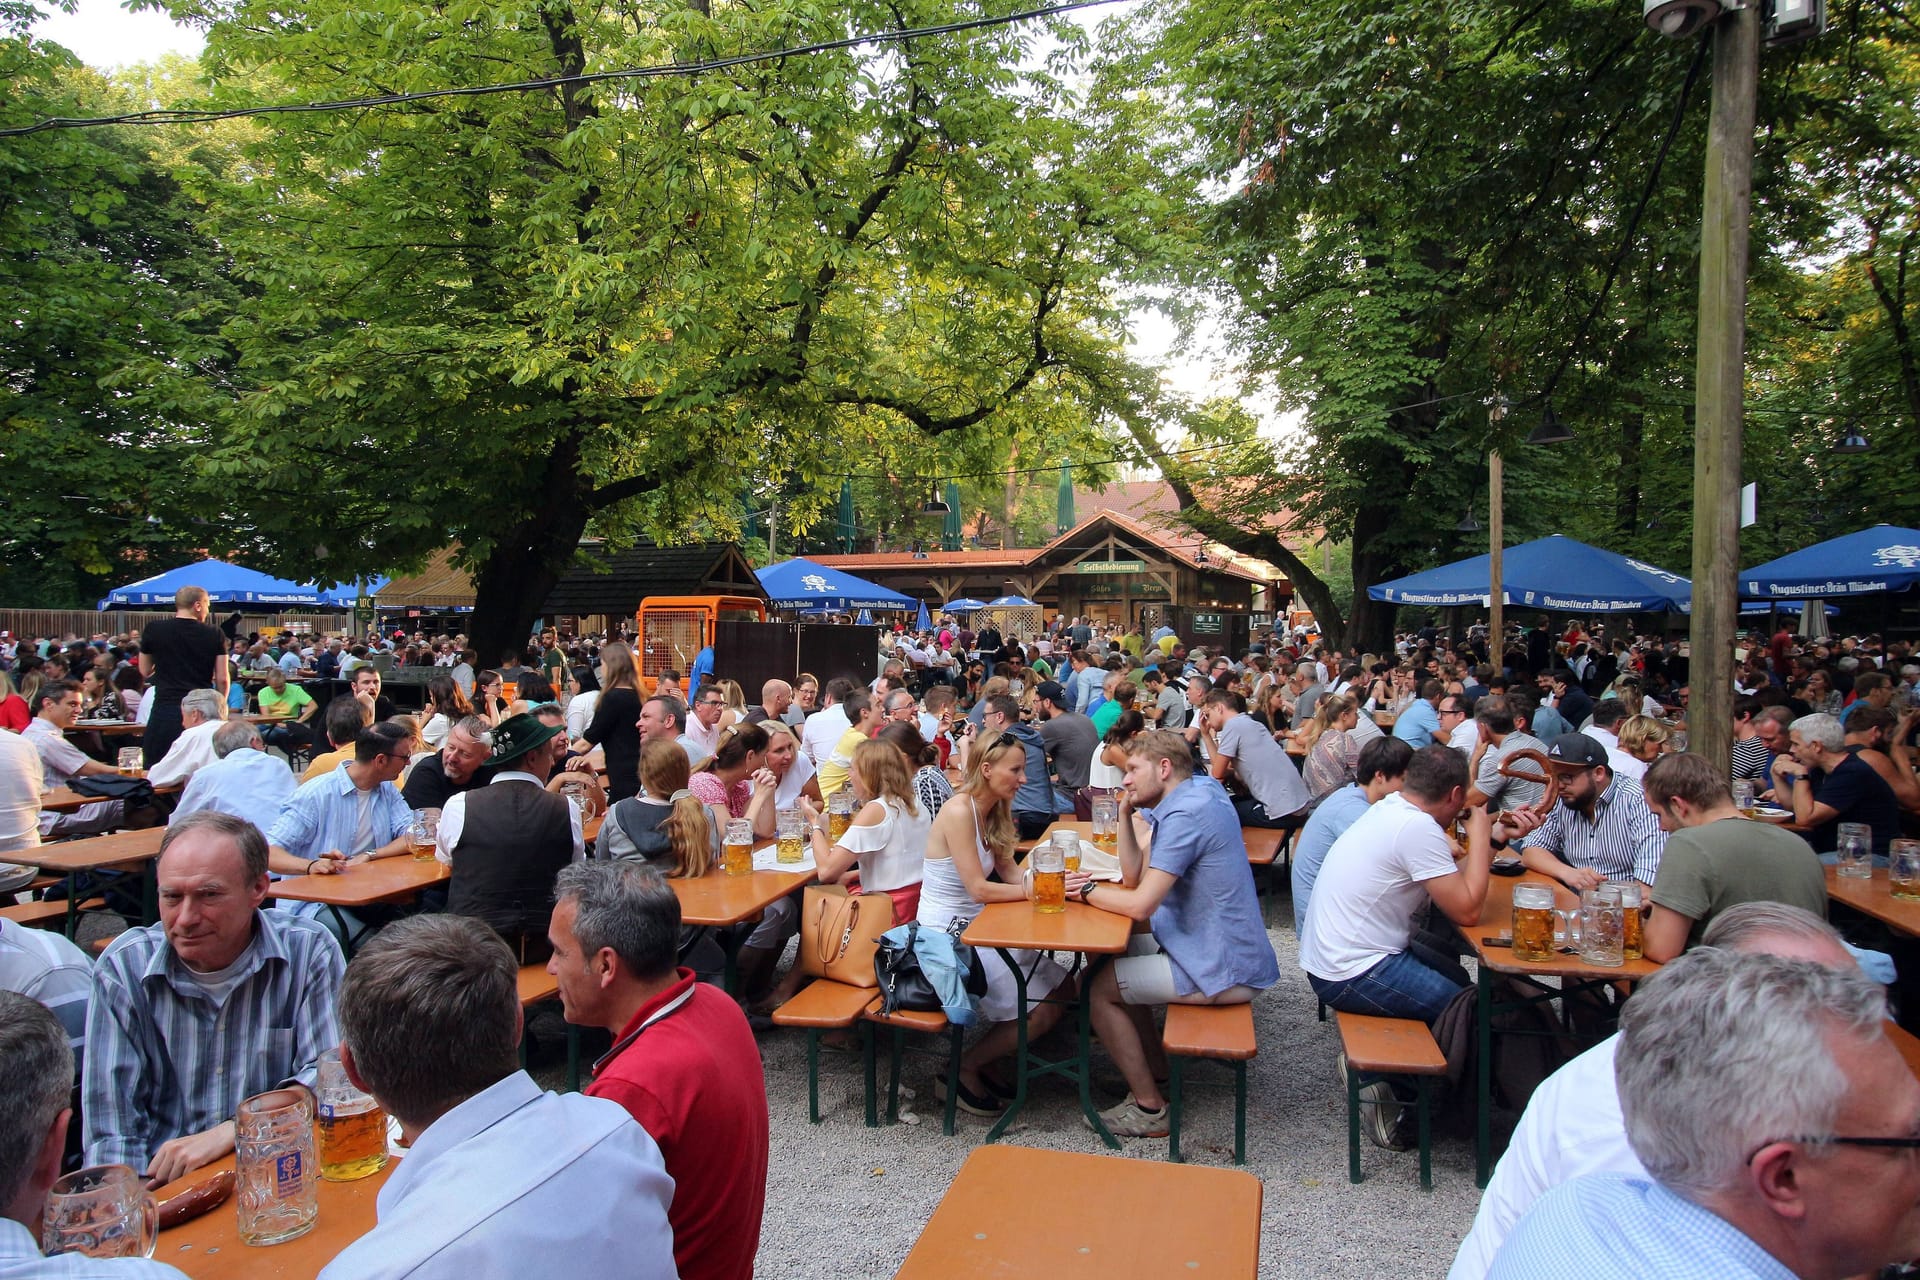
(149, 1223)
(1573, 931)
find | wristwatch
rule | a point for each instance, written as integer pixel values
(1087, 889)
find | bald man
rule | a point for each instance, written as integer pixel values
(775, 697)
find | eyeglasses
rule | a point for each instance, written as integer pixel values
(1895, 1144)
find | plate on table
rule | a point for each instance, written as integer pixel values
(1771, 813)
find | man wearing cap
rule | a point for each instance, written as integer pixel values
(507, 841)
(1071, 741)
(1600, 830)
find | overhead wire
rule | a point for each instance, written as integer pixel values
(657, 71)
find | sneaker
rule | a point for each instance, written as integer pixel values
(988, 1107)
(1131, 1120)
(1380, 1112)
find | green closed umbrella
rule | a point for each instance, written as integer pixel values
(843, 528)
(950, 528)
(1064, 516)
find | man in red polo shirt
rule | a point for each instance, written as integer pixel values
(683, 1060)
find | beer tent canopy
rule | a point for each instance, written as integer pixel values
(802, 584)
(347, 594)
(1556, 573)
(226, 584)
(1883, 558)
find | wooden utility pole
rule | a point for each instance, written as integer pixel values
(1719, 384)
(1496, 545)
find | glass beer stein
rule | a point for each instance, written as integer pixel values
(1533, 921)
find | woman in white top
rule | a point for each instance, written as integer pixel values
(446, 707)
(887, 840)
(974, 835)
(794, 772)
(1107, 772)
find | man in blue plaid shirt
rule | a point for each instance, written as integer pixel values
(219, 1001)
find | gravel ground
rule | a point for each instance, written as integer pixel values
(845, 1202)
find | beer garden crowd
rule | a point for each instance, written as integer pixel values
(1749, 1118)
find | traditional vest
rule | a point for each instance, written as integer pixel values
(516, 837)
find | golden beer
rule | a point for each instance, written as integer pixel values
(1049, 892)
(1630, 933)
(737, 859)
(1533, 933)
(791, 848)
(352, 1140)
(1907, 889)
(837, 824)
(422, 847)
(1107, 841)
(1073, 858)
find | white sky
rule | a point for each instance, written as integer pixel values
(105, 35)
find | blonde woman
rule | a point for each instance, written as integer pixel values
(666, 825)
(887, 841)
(972, 838)
(736, 702)
(13, 707)
(791, 769)
(1332, 751)
(1644, 738)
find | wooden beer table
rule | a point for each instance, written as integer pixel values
(1153, 1219)
(717, 900)
(363, 885)
(1874, 896)
(115, 851)
(67, 800)
(1497, 962)
(1081, 929)
(209, 1247)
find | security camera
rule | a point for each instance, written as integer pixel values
(1678, 19)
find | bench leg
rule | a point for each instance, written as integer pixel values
(873, 1091)
(957, 1036)
(893, 1075)
(1353, 1124)
(1239, 1113)
(813, 1074)
(1174, 1081)
(1426, 1138)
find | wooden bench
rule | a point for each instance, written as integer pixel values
(1223, 1032)
(927, 1023)
(825, 1005)
(48, 915)
(1264, 844)
(536, 985)
(1389, 1046)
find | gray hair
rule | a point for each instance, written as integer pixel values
(625, 905)
(430, 1010)
(1742, 927)
(36, 1085)
(1722, 1052)
(235, 735)
(247, 840)
(1822, 729)
(474, 727)
(205, 701)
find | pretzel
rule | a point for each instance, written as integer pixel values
(1548, 776)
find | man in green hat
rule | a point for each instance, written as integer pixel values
(507, 841)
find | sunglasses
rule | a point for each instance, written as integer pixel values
(1896, 1144)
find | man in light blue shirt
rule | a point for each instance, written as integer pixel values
(1775, 1120)
(38, 1068)
(1195, 888)
(1378, 773)
(243, 779)
(353, 814)
(1420, 722)
(501, 1178)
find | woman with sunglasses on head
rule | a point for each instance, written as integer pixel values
(972, 838)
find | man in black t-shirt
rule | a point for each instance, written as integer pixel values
(1827, 784)
(178, 655)
(459, 765)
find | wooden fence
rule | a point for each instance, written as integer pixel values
(86, 623)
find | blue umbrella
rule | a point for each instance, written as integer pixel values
(347, 594)
(921, 621)
(225, 584)
(1883, 558)
(965, 604)
(803, 584)
(1554, 573)
(1007, 602)
(865, 619)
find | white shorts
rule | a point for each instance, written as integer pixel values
(1145, 976)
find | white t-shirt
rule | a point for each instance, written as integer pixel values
(822, 732)
(892, 853)
(1622, 764)
(1572, 1127)
(1369, 887)
(799, 773)
(21, 781)
(1465, 737)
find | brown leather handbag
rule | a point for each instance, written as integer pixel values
(839, 932)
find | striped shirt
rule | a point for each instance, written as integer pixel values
(1622, 842)
(1609, 1226)
(43, 965)
(168, 1058)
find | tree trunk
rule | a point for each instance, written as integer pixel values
(512, 584)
